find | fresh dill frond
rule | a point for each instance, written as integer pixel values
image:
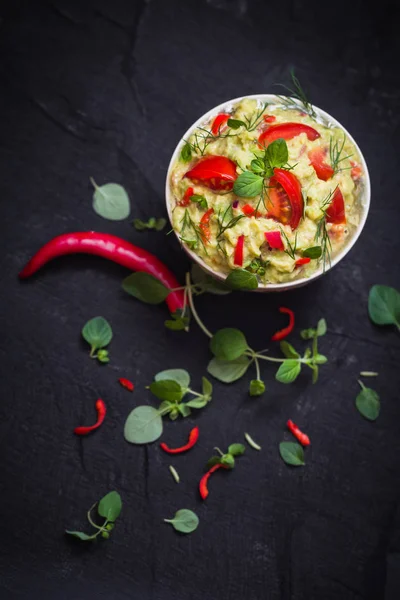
(335, 154)
(203, 137)
(290, 250)
(297, 92)
(188, 223)
(229, 225)
(322, 234)
(255, 120)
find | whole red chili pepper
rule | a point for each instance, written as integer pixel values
(302, 261)
(193, 437)
(282, 333)
(112, 247)
(101, 413)
(302, 437)
(203, 485)
(126, 383)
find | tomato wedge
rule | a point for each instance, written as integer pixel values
(238, 257)
(274, 240)
(356, 170)
(219, 121)
(205, 225)
(317, 160)
(287, 131)
(302, 261)
(336, 213)
(249, 211)
(215, 172)
(286, 202)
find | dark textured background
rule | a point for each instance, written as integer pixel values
(106, 89)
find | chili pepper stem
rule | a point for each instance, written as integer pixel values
(192, 308)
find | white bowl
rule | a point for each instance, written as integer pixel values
(363, 200)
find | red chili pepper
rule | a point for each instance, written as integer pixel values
(219, 122)
(335, 212)
(112, 247)
(205, 224)
(203, 485)
(101, 413)
(302, 261)
(126, 383)
(317, 159)
(186, 197)
(287, 131)
(269, 118)
(282, 333)
(302, 437)
(193, 437)
(274, 240)
(215, 172)
(238, 257)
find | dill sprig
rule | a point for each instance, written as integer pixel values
(322, 235)
(229, 225)
(252, 123)
(188, 223)
(202, 138)
(335, 154)
(297, 92)
(290, 250)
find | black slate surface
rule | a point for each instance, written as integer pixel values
(106, 89)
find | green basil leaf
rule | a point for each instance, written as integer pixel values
(80, 535)
(228, 371)
(277, 153)
(288, 371)
(186, 153)
(200, 200)
(228, 343)
(288, 350)
(110, 506)
(167, 389)
(257, 387)
(384, 305)
(248, 185)
(198, 402)
(111, 201)
(184, 409)
(240, 279)
(312, 252)
(145, 287)
(207, 387)
(321, 327)
(97, 332)
(181, 376)
(143, 425)
(320, 359)
(184, 521)
(228, 461)
(235, 123)
(236, 449)
(368, 403)
(292, 453)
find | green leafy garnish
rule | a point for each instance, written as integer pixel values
(235, 123)
(152, 223)
(251, 442)
(368, 403)
(384, 305)
(227, 459)
(241, 279)
(145, 287)
(109, 508)
(184, 521)
(143, 425)
(180, 376)
(257, 387)
(248, 185)
(228, 371)
(98, 333)
(288, 371)
(186, 153)
(292, 453)
(171, 387)
(200, 200)
(228, 344)
(297, 92)
(335, 154)
(313, 252)
(111, 201)
(179, 321)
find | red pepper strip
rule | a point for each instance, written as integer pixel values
(219, 122)
(112, 247)
(186, 197)
(302, 261)
(126, 383)
(203, 485)
(101, 413)
(274, 240)
(287, 131)
(193, 437)
(302, 437)
(282, 333)
(269, 118)
(238, 257)
(205, 224)
(249, 211)
(215, 172)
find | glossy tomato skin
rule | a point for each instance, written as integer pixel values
(219, 122)
(317, 158)
(205, 225)
(286, 198)
(336, 212)
(274, 240)
(215, 172)
(287, 131)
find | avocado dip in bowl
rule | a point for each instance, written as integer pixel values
(265, 184)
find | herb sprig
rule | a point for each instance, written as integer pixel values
(250, 124)
(297, 92)
(335, 154)
(227, 459)
(98, 333)
(108, 508)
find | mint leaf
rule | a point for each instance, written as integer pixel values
(288, 371)
(240, 279)
(248, 185)
(111, 201)
(228, 343)
(384, 305)
(145, 287)
(228, 371)
(292, 453)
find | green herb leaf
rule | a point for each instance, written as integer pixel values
(277, 153)
(98, 333)
(320, 359)
(184, 521)
(167, 389)
(152, 223)
(181, 376)
(257, 165)
(292, 453)
(368, 403)
(240, 279)
(198, 402)
(184, 409)
(251, 442)
(214, 460)
(200, 200)
(179, 321)
(312, 252)
(288, 350)
(235, 123)
(110, 506)
(208, 283)
(321, 327)
(257, 387)
(248, 185)
(192, 244)
(186, 153)
(288, 371)
(143, 425)
(228, 461)
(308, 334)
(174, 413)
(145, 287)
(102, 356)
(236, 449)
(384, 305)
(228, 371)
(111, 201)
(80, 535)
(228, 343)
(207, 387)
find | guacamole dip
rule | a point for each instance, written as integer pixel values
(266, 187)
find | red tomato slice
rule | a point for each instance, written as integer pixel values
(302, 261)
(249, 211)
(286, 202)
(215, 172)
(219, 122)
(287, 131)
(269, 118)
(238, 257)
(274, 240)
(186, 197)
(317, 160)
(335, 213)
(356, 170)
(205, 225)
